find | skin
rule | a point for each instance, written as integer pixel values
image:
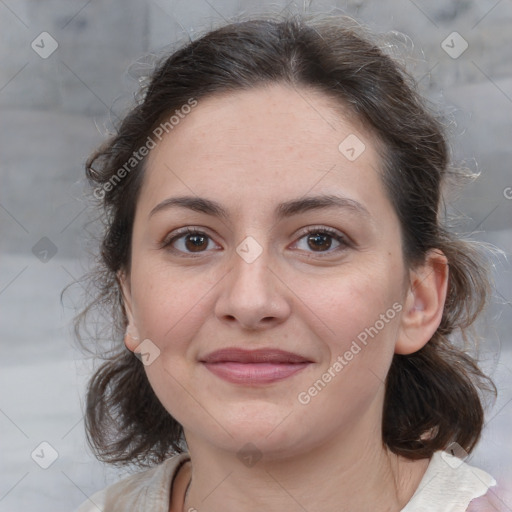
(251, 151)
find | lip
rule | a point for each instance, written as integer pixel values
(261, 366)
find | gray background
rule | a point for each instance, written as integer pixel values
(54, 111)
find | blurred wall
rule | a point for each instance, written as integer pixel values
(64, 76)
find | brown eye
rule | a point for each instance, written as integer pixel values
(322, 240)
(196, 243)
(188, 241)
(319, 241)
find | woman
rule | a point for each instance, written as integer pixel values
(275, 256)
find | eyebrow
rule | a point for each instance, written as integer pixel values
(283, 210)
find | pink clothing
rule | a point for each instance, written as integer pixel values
(492, 501)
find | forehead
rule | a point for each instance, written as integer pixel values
(274, 141)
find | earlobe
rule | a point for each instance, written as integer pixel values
(424, 305)
(131, 336)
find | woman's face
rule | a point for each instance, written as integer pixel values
(294, 247)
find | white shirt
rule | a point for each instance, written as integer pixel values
(448, 485)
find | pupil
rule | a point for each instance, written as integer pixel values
(318, 239)
(195, 242)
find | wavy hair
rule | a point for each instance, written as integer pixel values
(433, 396)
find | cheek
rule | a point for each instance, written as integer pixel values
(360, 325)
(168, 304)
(171, 308)
(354, 304)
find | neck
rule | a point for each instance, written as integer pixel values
(357, 473)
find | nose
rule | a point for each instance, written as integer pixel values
(252, 295)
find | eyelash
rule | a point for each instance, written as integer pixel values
(190, 230)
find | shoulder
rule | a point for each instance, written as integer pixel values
(449, 484)
(146, 490)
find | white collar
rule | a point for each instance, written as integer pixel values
(448, 485)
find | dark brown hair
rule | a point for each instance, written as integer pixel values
(433, 397)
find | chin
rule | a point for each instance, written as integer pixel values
(264, 429)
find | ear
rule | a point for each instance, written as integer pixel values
(131, 337)
(424, 304)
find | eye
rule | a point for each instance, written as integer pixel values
(189, 240)
(321, 239)
(317, 239)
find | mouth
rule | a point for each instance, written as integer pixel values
(262, 366)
